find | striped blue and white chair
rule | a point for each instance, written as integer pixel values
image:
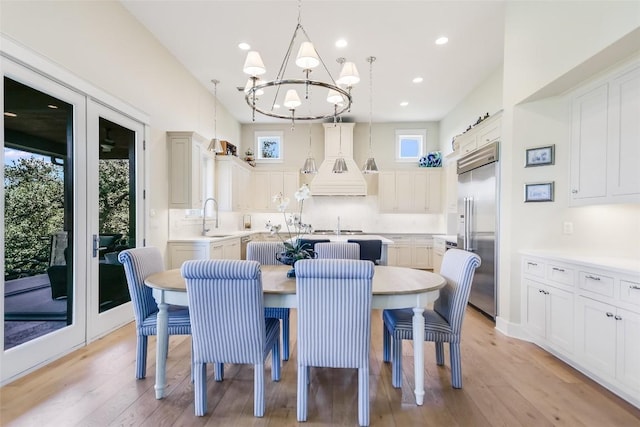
(138, 264)
(265, 254)
(441, 324)
(334, 323)
(228, 324)
(337, 250)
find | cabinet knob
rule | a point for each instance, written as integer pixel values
(634, 287)
(574, 191)
(618, 317)
(609, 314)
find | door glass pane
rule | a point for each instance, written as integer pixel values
(116, 205)
(38, 216)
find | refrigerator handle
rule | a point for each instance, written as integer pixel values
(468, 207)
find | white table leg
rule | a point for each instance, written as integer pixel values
(162, 340)
(418, 353)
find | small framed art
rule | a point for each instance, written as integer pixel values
(269, 147)
(539, 192)
(540, 156)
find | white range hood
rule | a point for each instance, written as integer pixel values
(338, 142)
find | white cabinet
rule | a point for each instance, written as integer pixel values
(179, 252)
(587, 314)
(487, 131)
(410, 191)
(191, 170)
(233, 184)
(410, 251)
(604, 140)
(550, 314)
(451, 185)
(267, 184)
(609, 340)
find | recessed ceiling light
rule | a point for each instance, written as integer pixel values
(418, 80)
(404, 103)
(8, 114)
(244, 46)
(53, 107)
(442, 40)
(341, 43)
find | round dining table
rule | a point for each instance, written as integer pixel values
(393, 287)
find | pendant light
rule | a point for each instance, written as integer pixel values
(340, 166)
(215, 145)
(309, 164)
(370, 165)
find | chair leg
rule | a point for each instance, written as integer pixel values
(363, 396)
(456, 365)
(275, 361)
(439, 353)
(303, 390)
(285, 337)
(396, 362)
(219, 372)
(200, 388)
(386, 344)
(258, 390)
(141, 357)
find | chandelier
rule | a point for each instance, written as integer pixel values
(264, 97)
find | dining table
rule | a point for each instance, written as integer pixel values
(393, 287)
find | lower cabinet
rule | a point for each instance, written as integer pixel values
(589, 315)
(179, 252)
(410, 251)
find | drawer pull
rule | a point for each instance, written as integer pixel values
(634, 287)
(561, 270)
(618, 317)
(609, 314)
(532, 264)
(592, 277)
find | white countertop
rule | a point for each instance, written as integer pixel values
(446, 237)
(345, 237)
(620, 264)
(225, 235)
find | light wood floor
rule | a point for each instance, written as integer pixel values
(507, 382)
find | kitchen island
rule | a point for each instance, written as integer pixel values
(344, 237)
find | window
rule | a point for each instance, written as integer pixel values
(269, 147)
(410, 144)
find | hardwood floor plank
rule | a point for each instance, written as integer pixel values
(507, 382)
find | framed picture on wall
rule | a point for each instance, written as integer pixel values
(539, 192)
(269, 146)
(540, 156)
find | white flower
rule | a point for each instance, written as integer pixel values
(284, 203)
(303, 193)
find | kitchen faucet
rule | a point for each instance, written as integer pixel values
(204, 214)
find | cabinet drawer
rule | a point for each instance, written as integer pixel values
(491, 133)
(400, 239)
(630, 292)
(560, 274)
(596, 283)
(533, 267)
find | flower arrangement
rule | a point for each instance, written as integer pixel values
(295, 228)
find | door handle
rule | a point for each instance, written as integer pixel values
(96, 245)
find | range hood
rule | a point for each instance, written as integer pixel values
(338, 142)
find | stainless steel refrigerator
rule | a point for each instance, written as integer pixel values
(478, 221)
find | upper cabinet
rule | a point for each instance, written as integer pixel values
(191, 170)
(233, 182)
(410, 191)
(486, 131)
(267, 184)
(605, 135)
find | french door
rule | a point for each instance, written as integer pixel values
(72, 172)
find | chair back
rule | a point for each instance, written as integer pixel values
(458, 268)
(337, 250)
(226, 310)
(370, 250)
(264, 252)
(334, 312)
(139, 263)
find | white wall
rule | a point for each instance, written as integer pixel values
(547, 44)
(103, 44)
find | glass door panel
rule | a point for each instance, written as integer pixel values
(44, 132)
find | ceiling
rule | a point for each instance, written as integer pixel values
(204, 37)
